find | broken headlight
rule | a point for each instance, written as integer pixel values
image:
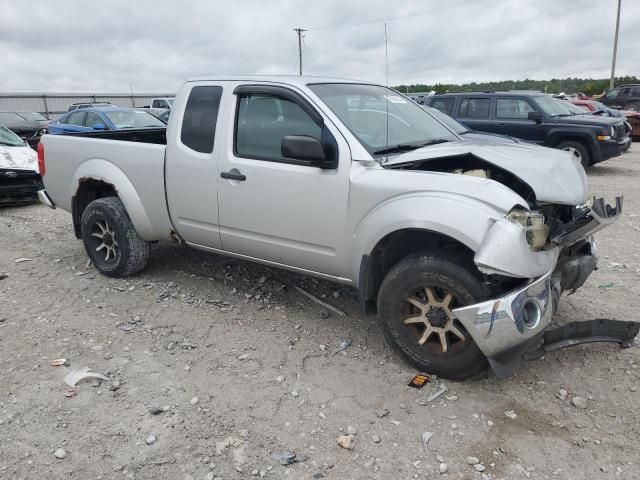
(535, 229)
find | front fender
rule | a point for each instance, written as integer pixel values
(102, 170)
(462, 218)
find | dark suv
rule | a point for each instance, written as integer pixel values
(625, 97)
(537, 118)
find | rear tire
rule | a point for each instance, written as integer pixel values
(578, 150)
(110, 239)
(404, 297)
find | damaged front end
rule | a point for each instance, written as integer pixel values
(552, 253)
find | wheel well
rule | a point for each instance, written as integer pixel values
(579, 140)
(397, 246)
(88, 191)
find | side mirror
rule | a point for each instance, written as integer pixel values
(535, 116)
(303, 147)
(99, 126)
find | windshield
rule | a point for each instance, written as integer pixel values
(10, 117)
(447, 120)
(33, 116)
(554, 107)
(380, 118)
(133, 119)
(574, 109)
(7, 137)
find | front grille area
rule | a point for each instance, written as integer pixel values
(621, 131)
(19, 186)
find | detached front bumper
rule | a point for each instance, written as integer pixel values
(504, 328)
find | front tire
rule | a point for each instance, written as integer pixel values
(414, 311)
(632, 106)
(110, 239)
(578, 150)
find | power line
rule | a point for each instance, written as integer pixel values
(393, 19)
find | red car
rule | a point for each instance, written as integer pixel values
(633, 118)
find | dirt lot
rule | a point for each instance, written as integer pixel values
(223, 363)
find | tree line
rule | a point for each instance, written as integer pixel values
(590, 86)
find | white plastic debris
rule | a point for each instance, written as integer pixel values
(75, 376)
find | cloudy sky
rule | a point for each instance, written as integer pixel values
(153, 45)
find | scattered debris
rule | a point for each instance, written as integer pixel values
(375, 438)
(562, 394)
(442, 468)
(3, 276)
(80, 374)
(342, 347)
(155, 410)
(151, 439)
(426, 436)
(194, 401)
(287, 458)
(606, 285)
(472, 460)
(22, 259)
(60, 453)
(479, 467)
(511, 414)
(115, 385)
(347, 441)
(71, 392)
(382, 412)
(58, 362)
(579, 402)
(320, 302)
(351, 430)
(420, 380)
(433, 396)
(244, 356)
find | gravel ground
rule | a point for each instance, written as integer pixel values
(217, 364)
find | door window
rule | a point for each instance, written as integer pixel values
(474, 108)
(612, 94)
(264, 120)
(76, 119)
(513, 108)
(200, 117)
(94, 119)
(444, 104)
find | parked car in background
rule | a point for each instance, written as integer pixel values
(624, 97)
(160, 106)
(35, 117)
(461, 248)
(104, 118)
(19, 177)
(28, 130)
(598, 108)
(76, 106)
(537, 118)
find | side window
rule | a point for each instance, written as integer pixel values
(513, 108)
(474, 108)
(155, 104)
(612, 94)
(200, 117)
(624, 92)
(444, 104)
(264, 120)
(77, 119)
(93, 119)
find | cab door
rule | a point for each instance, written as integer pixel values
(275, 208)
(474, 113)
(191, 168)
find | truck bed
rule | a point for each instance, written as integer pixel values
(131, 160)
(142, 135)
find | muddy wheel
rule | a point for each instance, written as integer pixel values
(415, 306)
(578, 150)
(110, 239)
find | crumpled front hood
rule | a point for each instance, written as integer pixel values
(554, 175)
(18, 158)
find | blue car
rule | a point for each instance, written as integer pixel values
(104, 118)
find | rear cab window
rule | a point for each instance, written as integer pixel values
(474, 107)
(200, 117)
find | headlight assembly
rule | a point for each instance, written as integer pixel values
(533, 223)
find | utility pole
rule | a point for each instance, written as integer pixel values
(386, 55)
(615, 49)
(299, 32)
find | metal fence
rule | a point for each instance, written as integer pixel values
(52, 105)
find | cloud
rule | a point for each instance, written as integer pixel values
(72, 45)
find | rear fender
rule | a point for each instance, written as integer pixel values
(98, 169)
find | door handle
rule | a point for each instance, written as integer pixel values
(233, 174)
(502, 124)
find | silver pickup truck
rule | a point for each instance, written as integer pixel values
(461, 243)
